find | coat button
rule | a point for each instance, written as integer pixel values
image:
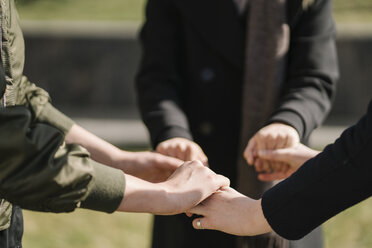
(206, 128)
(207, 74)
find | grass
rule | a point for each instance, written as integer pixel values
(120, 10)
(86, 229)
(351, 228)
(113, 10)
(96, 230)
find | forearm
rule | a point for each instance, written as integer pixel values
(312, 70)
(256, 222)
(143, 197)
(100, 150)
(317, 191)
(160, 82)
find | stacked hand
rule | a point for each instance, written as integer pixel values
(230, 212)
(225, 210)
(190, 184)
(149, 166)
(292, 158)
(272, 137)
(183, 149)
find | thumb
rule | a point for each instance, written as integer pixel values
(249, 151)
(201, 223)
(279, 155)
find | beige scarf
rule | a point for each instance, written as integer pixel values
(267, 43)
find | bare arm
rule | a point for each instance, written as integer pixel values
(231, 212)
(145, 165)
(187, 187)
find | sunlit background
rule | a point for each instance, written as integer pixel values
(89, 46)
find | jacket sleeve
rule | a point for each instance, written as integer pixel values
(39, 172)
(312, 70)
(333, 181)
(159, 82)
(39, 102)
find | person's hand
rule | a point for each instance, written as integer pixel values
(183, 149)
(190, 184)
(149, 166)
(273, 136)
(231, 212)
(292, 158)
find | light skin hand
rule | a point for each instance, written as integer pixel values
(183, 149)
(231, 212)
(190, 184)
(273, 136)
(292, 158)
(148, 166)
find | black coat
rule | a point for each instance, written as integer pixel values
(191, 74)
(336, 179)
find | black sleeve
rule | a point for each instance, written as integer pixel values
(159, 84)
(312, 72)
(333, 181)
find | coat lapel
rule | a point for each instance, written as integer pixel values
(218, 23)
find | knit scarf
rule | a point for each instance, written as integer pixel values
(267, 43)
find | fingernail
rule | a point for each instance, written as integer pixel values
(262, 152)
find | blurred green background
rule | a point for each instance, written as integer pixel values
(345, 10)
(88, 229)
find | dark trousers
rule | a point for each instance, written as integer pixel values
(177, 232)
(12, 237)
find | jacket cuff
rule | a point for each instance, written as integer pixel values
(172, 132)
(292, 119)
(56, 118)
(107, 189)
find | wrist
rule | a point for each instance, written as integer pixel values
(143, 197)
(124, 160)
(256, 219)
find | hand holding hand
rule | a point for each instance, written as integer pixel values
(292, 158)
(229, 211)
(183, 149)
(149, 166)
(190, 184)
(273, 136)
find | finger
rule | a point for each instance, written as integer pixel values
(194, 154)
(268, 177)
(180, 151)
(201, 223)
(206, 163)
(292, 139)
(249, 151)
(170, 151)
(198, 210)
(188, 153)
(161, 149)
(265, 166)
(275, 166)
(221, 181)
(189, 214)
(282, 167)
(270, 142)
(204, 159)
(279, 155)
(171, 163)
(258, 165)
(281, 141)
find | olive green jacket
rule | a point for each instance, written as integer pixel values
(37, 170)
